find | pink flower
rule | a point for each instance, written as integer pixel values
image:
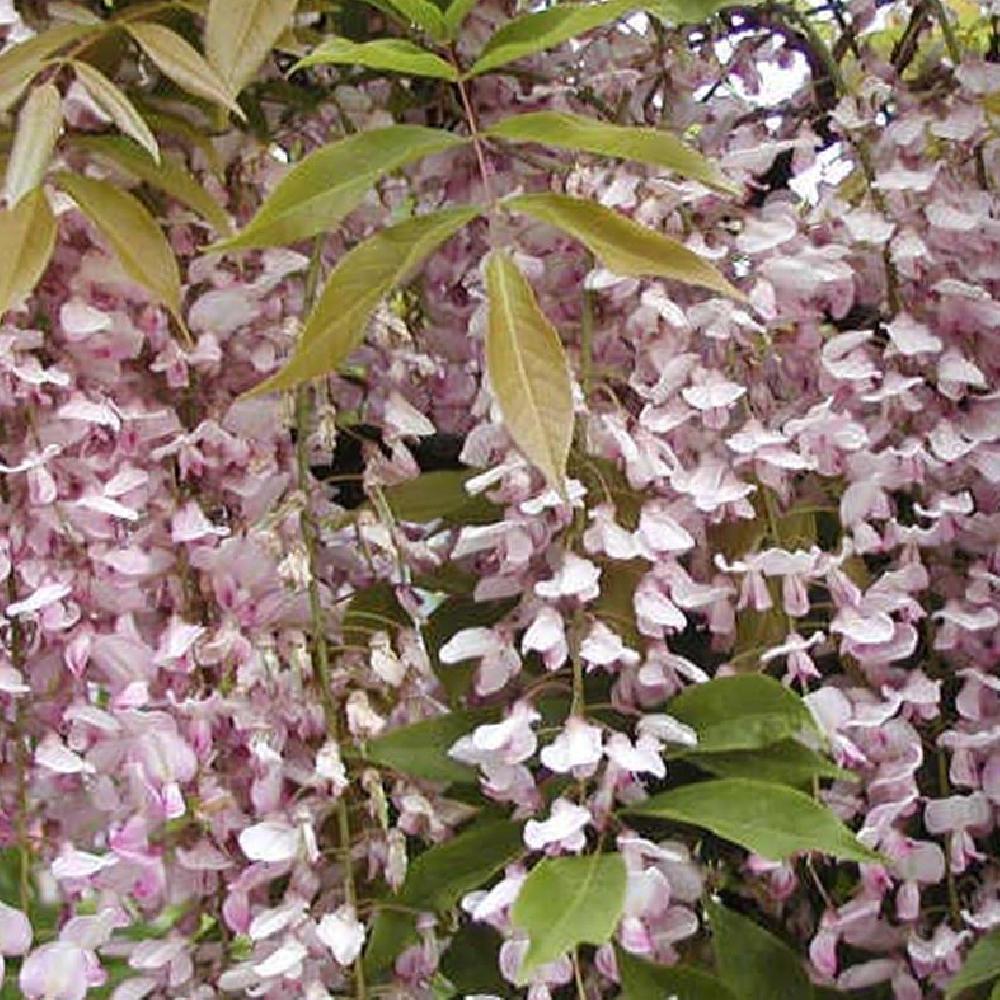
(563, 831)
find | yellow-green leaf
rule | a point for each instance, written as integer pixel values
(117, 107)
(239, 35)
(37, 130)
(28, 235)
(545, 29)
(132, 233)
(568, 901)
(20, 63)
(528, 370)
(175, 58)
(646, 145)
(165, 175)
(677, 12)
(337, 323)
(332, 181)
(623, 246)
(394, 54)
(982, 965)
(456, 12)
(424, 14)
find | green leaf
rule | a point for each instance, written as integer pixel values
(771, 820)
(784, 763)
(677, 12)
(394, 54)
(134, 236)
(451, 616)
(622, 245)
(535, 32)
(38, 127)
(440, 494)
(528, 371)
(239, 36)
(472, 960)
(29, 233)
(392, 930)
(424, 15)
(981, 965)
(456, 12)
(374, 609)
(442, 875)
(642, 980)
(117, 107)
(165, 175)
(175, 58)
(363, 278)
(568, 901)
(752, 962)
(421, 749)
(645, 145)
(744, 712)
(332, 181)
(21, 62)
(615, 605)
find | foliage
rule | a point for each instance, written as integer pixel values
(496, 501)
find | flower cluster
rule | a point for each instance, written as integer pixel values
(210, 654)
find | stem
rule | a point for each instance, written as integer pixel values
(474, 134)
(17, 658)
(950, 38)
(587, 343)
(320, 651)
(859, 143)
(954, 905)
(578, 976)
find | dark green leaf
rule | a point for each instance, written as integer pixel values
(981, 965)
(643, 980)
(392, 930)
(545, 29)
(453, 615)
(440, 494)
(623, 246)
(374, 609)
(471, 961)
(786, 763)
(615, 605)
(421, 749)
(438, 878)
(394, 54)
(772, 820)
(753, 963)
(743, 712)
(568, 901)
(332, 181)
(646, 145)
